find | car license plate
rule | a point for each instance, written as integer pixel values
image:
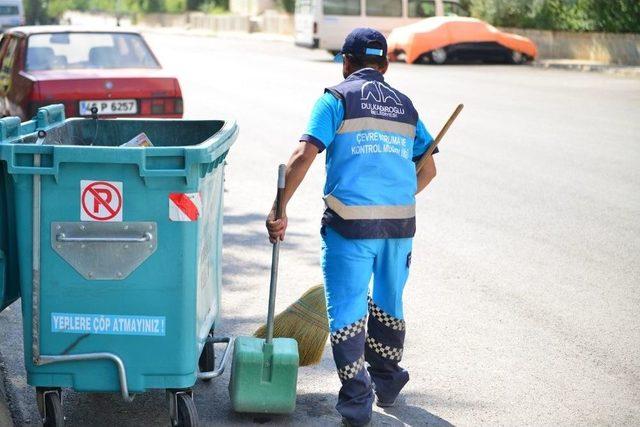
(111, 106)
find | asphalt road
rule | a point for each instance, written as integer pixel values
(523, 301)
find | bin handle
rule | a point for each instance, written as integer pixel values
(146, 237)
(44, 151)
(225, 356)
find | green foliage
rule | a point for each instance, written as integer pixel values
(287, 5)
(616, 15)
(214, 6)
(47, 11)
(175, 6)
(570, 15)
(194, 4)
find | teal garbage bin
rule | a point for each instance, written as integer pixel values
(119, 253)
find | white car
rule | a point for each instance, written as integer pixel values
(11, 14)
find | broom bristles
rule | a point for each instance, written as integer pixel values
(305, 321)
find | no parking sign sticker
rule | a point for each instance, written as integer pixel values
(101, 201)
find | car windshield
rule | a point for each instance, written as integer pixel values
(72, 51)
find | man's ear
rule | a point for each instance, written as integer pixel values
(383, 69)
(346, 66)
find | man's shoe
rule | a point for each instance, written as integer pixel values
(346, 423)
(385, 403)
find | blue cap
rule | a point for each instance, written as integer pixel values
(365, 42)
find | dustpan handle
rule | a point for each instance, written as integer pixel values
(275, 256)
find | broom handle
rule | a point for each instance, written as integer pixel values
(436, 141)
(275, 256)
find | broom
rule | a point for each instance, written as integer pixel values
(306, 319)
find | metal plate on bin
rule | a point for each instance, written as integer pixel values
(104, 250)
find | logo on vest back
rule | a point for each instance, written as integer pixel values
(379, 92)
(380, 100)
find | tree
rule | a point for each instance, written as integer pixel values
(153, 6)
(569, 15)
(33, 11)
(615, 15)
(288, 5)
(194, 4)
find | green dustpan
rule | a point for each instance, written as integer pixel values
(264, 372)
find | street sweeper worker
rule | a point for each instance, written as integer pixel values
(372, 136)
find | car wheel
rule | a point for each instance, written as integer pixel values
(438, 56)
(518, 57)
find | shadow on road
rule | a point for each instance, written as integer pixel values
(247, 251)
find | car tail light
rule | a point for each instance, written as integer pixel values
(158, 106)
(315, 28)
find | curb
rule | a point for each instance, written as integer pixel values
(237, 35)
(5, 413)
(618, 70)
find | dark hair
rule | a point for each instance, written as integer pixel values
(366, 61)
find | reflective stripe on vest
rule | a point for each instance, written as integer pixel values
(369, 212)
(375, 124)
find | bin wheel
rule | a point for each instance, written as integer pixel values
(53, 406)
(207, 362)
(187, 413)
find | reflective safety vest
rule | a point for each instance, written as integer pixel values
(371, 177)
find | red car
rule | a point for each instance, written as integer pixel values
(114, 71)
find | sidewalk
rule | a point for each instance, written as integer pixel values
(180, 31)
(592, 66)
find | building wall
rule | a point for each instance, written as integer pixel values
(250, 7)
(622, 49)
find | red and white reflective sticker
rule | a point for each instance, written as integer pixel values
(184, 206)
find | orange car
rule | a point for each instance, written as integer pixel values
(442, 38)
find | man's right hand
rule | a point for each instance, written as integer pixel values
(276, 227)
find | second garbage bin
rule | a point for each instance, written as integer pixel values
(9, 286)
(119, 253)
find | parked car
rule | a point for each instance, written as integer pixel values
(114, 71)
(11, 14)
(444, 38)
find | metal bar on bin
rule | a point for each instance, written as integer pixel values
(39, 359)
(35, 270)
(146, 237)
(122, 373)
(223, 363)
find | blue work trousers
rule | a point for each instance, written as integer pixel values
(367, 326)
